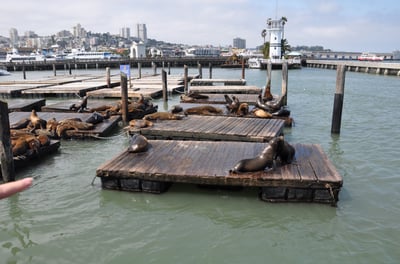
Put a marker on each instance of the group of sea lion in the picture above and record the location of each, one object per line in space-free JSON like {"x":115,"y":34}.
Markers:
{"x":234,"y":106}
{"x":25,"y":143}
{"x":277,"y":149}
{"x":53,"y":128}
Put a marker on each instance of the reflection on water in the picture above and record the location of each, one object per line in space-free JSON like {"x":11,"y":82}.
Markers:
{"x":65,"y":219}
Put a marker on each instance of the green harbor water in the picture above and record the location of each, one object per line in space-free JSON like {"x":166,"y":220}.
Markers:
{"x":62,"y":218}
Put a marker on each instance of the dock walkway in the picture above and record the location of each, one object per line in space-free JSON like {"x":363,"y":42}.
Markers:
{"x":310,"y":178}
{"x":196,"y":127}
{"x":226,"y":89}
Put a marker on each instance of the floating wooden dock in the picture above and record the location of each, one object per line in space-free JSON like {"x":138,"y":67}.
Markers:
{"x":25,"y":105}
{"x":210,"y":82}
{"x":196,"y":127}
{"x":229,"y":89}
{"x":310,"y":178}
{"x":218,"y":98}
{"x":100,"y":130}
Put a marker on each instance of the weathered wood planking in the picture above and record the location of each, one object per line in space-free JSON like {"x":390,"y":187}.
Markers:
{"x":153,"y":91}
{"x":214,"y":128}
{"x":208,"y":163}
{"x":250,"y":99}
{"x":15,"y":90}
{"x":100,"y":130}
{"x":209,"y":82}
{"x":228,"y":89}
{"x":25,"y":104}
{"x":69,"y":89}
{"x":64,"y":106}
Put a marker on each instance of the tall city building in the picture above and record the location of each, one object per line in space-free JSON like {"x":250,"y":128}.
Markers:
{"x":14,"y":36}
{"x":78,"y":31}
{"x":125,"y":32}
{"x":239,"y":43}
{"x":142,"y":32}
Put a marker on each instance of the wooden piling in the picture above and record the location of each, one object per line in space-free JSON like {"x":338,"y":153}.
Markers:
{"x":210,"y":70}
{"x":124,"y":98}
{"x":154,"y":65}
{"x":139,"y":65}
{"x":185,"y":77}
{"x":6,"y":156}
{"x":243,"y":70}
{"x":285,"y":81}
{"x":54,"y":70}
{"x":108,"y":77}
{"x":169,"y":68}
{"x":69,"y":69}
{"x":200,"y":70}
{"x":268,"y":86}
{"x":164,"y":85}
{"x":23,"y":71}
{"x":338,"y":101}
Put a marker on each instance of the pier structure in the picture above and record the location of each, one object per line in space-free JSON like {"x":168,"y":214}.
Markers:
{"x":383,"y":68}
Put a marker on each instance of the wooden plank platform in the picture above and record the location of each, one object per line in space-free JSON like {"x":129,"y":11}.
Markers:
{"x":310,"y":178}
{"x":196,"y":127}
{"x":27,"y":105}
{"x":15,"y":90}
{"x":153,"y":91}
{"x":210,"y":82}
{"x":100,"y":130}
{"x":218,"y":98}
{"x":229,"y":89}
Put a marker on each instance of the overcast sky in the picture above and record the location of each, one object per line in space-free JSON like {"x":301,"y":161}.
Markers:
{"x":340,"y":25}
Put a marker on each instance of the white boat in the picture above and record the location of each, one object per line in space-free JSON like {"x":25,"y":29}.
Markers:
{"x":14,"y":56}
{"x":255,"y":63}
{"x":365,"y":56}
{"x":91,"y":55}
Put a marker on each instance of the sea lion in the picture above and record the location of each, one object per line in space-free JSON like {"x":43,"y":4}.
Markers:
{"x":176,"y":109}
{"x":36,"y":121}
{"x":81,"y":106}
{"x":95,"y":118}
{"x":261,"y":113}
{"x":138,"y":143}
{"x":267,"y":93}
{"x":202,"y":110}
{"x":232,"y":104}
{"x":275,"y":104}
{"x":259,"y":163}
{"x":285,"y":152}
{"x":52,"y":125}
{"x":243,"y":109}
{"x":282,"y":112}
{"x":72,"y":124}
{"x":140,"y":123}
{"x":162,"y":116}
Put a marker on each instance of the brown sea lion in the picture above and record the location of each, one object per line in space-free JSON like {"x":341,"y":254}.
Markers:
{"x":260,"y":104}
{"x":36,"y":121}
{"x":285,"y":152}
{"x":43,"y":139}
{"x":71,"y":124}
{"x":203,"y":110}
{"x":232,"y":104}
{"x":52,"y":125}
{"x":81,"y":106}
{"x":140,"y":123}
{"x":138,"y":143}
{"x":267,"y":93}
{"x":259,"y":163}
{"x":162,"y":116}
{"x":261,"y":113}
{"x":19,"y":146}
{"x":243,"y":109}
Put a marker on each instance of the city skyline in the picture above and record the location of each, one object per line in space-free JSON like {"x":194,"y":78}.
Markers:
{"x":336,"y":25}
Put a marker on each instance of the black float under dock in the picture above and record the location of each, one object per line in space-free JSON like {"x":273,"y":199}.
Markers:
{"x":197,"y":127}
{"x":310,"y":178}
{"x":100,"y":130}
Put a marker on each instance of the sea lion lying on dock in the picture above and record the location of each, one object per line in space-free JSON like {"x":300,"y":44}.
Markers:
{"x":261,"y":113}
{"x":138,"y":143}
{"x":232,"y":104}
{"x":203,"y":110}
{"x":162,"y":116}
{"x":243,"y":109}
{"x":72,"y":124}
{"x":259,"y":163}
{"x":25,"y":143}
{"x":193,"y":96}
{"x":140,"y":123}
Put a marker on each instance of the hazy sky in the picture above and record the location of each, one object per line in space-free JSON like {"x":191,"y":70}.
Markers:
{"x":340,"y":25}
